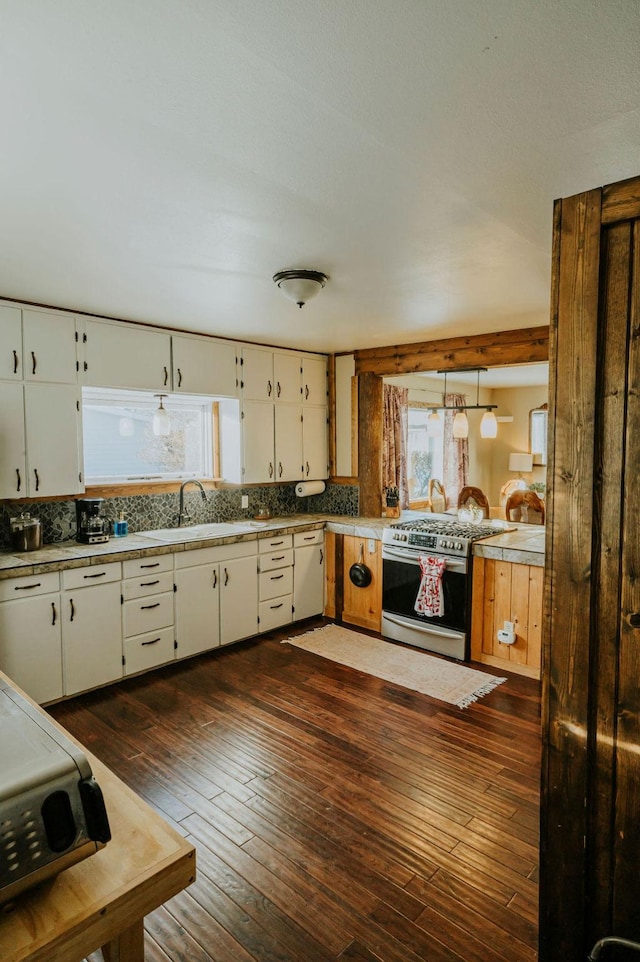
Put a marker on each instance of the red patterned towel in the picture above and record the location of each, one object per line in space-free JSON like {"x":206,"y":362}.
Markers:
{"x":430,"y":600}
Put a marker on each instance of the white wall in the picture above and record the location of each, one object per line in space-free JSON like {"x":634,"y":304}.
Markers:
{"x":516,"y":402}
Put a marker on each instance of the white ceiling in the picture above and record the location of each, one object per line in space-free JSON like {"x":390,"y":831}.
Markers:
{"x":161,"y":160}
{"x":512,"y":375}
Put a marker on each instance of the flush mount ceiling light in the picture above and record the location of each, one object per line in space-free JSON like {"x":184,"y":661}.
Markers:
{"x":161,"y":423}
{"x":300,"y":286}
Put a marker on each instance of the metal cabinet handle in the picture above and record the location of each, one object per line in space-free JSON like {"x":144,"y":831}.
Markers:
{"x":321,"y":555}
{"x":275,"y":544}
{"x":306,"y":392}
{"x":156,"y":564}
{"x":226,"y":577}
{"x":273,"y":607}
{"x":215,"y":579}
{"x":154,"y":641}
{"x":73,"y":610}
{"x":15,"y":362}
{"x":269,"y":388}
{"x":307,"y":469}
{"x":166,"y":376}
{"x":279,"y":557}
{"x":19,"y":485}
{"x":146,"y":607}
{"x":35,"y":471}
{"x":34,"y":362}
{"x":279,"y":469}
{"x":53,"y":613}
{"x":276,"y":577}
{"x":99,"y":574}
{"x":279,"y":389}
{"x":309,"y":537}
{"x":27,"y":587}
{"x":147,"y":584}
{"x":179,"y":378}
{"x":270,"y":469}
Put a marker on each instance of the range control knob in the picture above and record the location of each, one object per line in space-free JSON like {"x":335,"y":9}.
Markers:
{"x":459,"y":545}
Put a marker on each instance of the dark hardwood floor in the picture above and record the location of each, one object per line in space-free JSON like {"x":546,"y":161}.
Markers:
{"x":336,"y":816}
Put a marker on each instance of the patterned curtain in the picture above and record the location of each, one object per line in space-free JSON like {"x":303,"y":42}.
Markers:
{"x":394,"y":440}
{"x":456,"y":454}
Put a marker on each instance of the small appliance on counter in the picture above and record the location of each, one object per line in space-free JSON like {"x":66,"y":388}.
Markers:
{"x":52,"y":812}
{"x":26,"y":533}
{"x":92,"y":528}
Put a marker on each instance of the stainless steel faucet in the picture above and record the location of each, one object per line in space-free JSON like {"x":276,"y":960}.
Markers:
{"x":183,"y":514}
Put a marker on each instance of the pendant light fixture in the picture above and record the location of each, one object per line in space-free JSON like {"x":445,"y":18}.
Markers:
{"x":300,"y":285}
{"x":161,"y":421}
{"x":460,"y":428}
{"x":434,"y":424}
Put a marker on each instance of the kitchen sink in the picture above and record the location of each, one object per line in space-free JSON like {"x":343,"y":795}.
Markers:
{"x":198,"y":532}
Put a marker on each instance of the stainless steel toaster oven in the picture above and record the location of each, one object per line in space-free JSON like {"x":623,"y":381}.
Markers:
{"x":52,"y":813}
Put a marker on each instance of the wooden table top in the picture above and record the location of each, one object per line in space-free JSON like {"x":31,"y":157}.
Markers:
{"x":87,"y":905}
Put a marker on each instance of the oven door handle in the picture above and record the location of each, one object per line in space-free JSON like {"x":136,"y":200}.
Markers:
{"x":411,"y":557}
{"x":427,"y":629}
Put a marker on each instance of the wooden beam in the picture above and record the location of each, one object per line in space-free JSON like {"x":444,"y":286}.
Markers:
{"x":479,"y":350}
{"x":621,"y":201}
{"x":370,"y":444}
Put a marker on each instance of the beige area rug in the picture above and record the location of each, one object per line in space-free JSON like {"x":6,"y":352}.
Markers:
{"x":408,"y":667}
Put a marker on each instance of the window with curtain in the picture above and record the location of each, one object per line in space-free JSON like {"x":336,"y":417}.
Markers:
{"x":456,"y":454}
{"x":424,"y":452}
{"x":394,"y":442}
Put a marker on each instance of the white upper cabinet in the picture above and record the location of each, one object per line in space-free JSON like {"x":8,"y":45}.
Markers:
{"x":10,"y":343}
{"x":13,"y":452}
{"x":287,"y":378}
{"x":203,"y":365}
{"x":258,"y":461}
{"x":288,"y":442}
{"x":256,"y":377}
{"x":52,"y":422}
{"x":50,"y":348}
{"x":119,"y":355}
{"x":314,"y":380}
{"x":315,"y":443}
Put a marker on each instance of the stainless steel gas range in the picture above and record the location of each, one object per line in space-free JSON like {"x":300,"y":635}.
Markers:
{"x":438,"y":549}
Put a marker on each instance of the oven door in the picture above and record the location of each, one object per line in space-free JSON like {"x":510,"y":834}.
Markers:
{"x":401,"y":576}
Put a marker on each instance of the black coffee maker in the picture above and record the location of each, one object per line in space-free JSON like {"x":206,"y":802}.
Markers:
{"x":92,"y":528}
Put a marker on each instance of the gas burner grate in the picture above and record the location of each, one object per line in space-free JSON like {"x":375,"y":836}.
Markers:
{"x":454,"y":528}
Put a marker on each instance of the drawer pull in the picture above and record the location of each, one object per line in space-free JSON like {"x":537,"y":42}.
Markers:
{"x":53,"y":613}
{"x":156,"y":564}
{"x":309,"y":537}
{"x":276,"y":577}
{"x":27,"y":587}
{"x":147,"y":584}
{"x":273,"y":607}
{"x":277,"y":557}
{"x":274,"y":544}
{"x":146,"y":607}
{"x":99,"y":574}
{"x":154,"y":641}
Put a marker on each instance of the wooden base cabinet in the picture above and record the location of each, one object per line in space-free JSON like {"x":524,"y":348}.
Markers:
{"x":503,"y":591}
{"x":362,"y":606}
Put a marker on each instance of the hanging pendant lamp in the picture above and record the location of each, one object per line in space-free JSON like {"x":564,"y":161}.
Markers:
{"x":161,"y":422}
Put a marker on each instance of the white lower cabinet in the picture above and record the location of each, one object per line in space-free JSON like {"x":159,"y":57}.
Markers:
{"x":216,"y":600}
{"x":31,"y":636}
{"x":147,"y":613}
{"x":308,"y":574}
{"x":91,"y":627}
{"x":275,"y":559}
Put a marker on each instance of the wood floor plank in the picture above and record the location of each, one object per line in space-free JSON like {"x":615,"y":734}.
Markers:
{"x":337,"y":817}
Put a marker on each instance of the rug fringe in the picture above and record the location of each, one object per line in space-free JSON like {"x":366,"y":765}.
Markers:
{"x":480,"y":692}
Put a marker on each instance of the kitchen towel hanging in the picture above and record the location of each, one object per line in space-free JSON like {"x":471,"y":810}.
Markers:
{"x":430,"y":600}
{"x":305,"y":488}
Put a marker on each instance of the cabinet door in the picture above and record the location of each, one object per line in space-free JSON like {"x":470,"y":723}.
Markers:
{"x":362,"y":606}
{"x":91,"y":637}
{"x":257,"y":442}
{"x":10,"y":342}
{"x":31,"y":646}
{"x":13,"y":475}
{"x":197,"y":602}
{"x":308,"y":581}
{"x":49,"y":347}
{"x":314,"y":380}
{"x":288,"y":438}
{"x":315,"y":443}
{"x":287,"y":377}
{"x":53,"y":439}
{"x":127,"y":357}
{"x":203,"y":366}
{"x":257,"y":375}
{"x":238,"y":599}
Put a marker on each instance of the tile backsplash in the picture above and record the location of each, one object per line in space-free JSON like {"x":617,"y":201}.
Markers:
{"x":146,"y":511}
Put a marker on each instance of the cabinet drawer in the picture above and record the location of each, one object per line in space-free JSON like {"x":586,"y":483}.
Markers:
{"x":215,"y":554}
{"x":303,"y":538}
{"x":92,"y":575}
{"x":278,"y":559}
{"x":29,"y":585}
{"x":275,"y":582}
{"x":147,"y":614}
{"x":273,"y":545}
{"x":148,"y":650}
{"x":154,"y":583}
{"x":147,"y":565}
{"x":275,"y":613}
